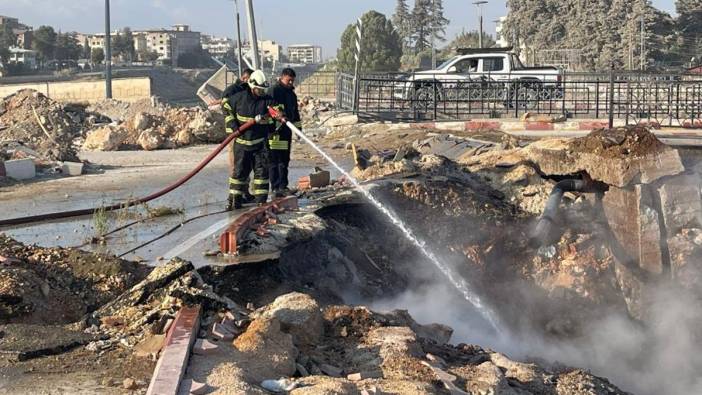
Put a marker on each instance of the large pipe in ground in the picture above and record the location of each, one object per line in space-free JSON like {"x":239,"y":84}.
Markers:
{"x":130,"y":203}
{"x":541,"y":234}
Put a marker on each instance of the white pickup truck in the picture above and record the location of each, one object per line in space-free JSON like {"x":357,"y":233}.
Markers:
{"x":476,"y":73}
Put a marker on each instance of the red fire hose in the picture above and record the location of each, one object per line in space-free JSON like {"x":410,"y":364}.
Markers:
{"x":130,"y":203}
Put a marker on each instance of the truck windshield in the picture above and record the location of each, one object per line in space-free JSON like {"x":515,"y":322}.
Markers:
{"x":447,"y":63}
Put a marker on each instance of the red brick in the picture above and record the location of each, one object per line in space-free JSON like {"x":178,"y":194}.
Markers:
{"x":228,"y":241}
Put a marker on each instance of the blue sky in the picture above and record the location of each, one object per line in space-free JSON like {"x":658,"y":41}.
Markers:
{"x":288,"y":22}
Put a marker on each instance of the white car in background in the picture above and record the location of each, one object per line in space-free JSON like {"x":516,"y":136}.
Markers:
{"x":483,"y":74}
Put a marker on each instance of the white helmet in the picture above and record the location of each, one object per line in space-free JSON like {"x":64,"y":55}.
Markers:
{"x":258,"y":80}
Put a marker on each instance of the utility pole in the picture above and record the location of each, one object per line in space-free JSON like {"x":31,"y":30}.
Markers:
{"x":238,"y":37}
{"x":433,"y":40}
{"x":252,"y":34}
{"x":108,"y":53}
{"x":480,"y":19}
{"x":643,"y":43}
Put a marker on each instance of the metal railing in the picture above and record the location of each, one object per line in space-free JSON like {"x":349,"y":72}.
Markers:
{"x":664,"y":99}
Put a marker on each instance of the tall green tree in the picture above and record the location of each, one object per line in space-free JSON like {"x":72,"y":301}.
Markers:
{"x":689,"y":26}
{"x":421,"y":25}
{"x":44,"y":42}
{"x":7,"y":40}
{"x":67,"y":47}
{"x":438,"y":21}
{"x":97,"y":55}
{"x":402,"y":19}
{"x":123,"y":44}
{"x":467,"y":40}
{"x":381,"y":45}
{"x":603,"y":32}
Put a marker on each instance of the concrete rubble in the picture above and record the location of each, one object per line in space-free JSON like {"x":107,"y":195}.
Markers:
{"x":57,"y":130}
{"x":286,"y":323}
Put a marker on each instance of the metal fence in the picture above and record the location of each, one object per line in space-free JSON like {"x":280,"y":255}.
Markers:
{"x":668,"y":100}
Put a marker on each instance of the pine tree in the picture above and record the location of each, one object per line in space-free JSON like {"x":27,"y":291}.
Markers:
{"x":421,"y":25}
{"x":438,"y":21}
{"x":689,"y":26}
{"x":403,"y":22}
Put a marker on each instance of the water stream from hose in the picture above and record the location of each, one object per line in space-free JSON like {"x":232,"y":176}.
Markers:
{"x":459,"y":283}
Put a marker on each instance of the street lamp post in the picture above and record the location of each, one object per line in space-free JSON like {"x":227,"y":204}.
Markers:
{"x":238,"y":37}
{"x":108,"y":53}
{"x":480,"y":14}
{"x":252,"y":34}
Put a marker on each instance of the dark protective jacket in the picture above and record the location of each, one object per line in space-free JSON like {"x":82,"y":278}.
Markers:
{"x":243,"y":107}
{"x":287,"y":98}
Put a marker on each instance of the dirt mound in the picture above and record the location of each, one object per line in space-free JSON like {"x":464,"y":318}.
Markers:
{"x":58,"y":286}
{"x":39,"y":123}
{"x":619,"y":142}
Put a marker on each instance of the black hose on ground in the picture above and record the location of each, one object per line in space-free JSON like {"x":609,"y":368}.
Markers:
{"x":542,"y":232}
{"x":131,"y":203}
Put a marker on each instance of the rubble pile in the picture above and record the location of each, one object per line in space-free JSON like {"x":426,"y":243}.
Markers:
{"x":295,"y":343}
{"x":57,"y":131}
{"x":58,"y":286}
{"x":314,"y":111}
{"x":145,"y":311}
{"x":611,"y":247}
{"x":41,"y":124}
{"x":150,"y":126}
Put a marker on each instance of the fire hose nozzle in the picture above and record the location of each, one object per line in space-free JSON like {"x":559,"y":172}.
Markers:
{"x":276,"y":114}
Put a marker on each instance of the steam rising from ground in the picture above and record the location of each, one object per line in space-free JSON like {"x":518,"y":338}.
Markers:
{"x":664,"y":356}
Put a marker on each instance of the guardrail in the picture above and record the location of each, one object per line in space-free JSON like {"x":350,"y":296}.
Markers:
{"x":663,"y":99}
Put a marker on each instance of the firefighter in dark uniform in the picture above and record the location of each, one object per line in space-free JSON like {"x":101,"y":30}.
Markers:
{"x":240,"y":85}
{"x":283,"y":92}
{"x":250,"y":151}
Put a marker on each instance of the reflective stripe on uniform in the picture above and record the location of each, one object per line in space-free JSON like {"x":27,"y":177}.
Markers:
{"x":235,"y":192}
{"x":230,"y":130}
{"x":279,"y":144}
{"x":229,"y":118}
{"x":242,"y":118}
{"x":249,"y":142}
{"x":237,"y":182}
{"x":228,"y":107}
{"x":259,"y":192}
{"x":260,"y":182}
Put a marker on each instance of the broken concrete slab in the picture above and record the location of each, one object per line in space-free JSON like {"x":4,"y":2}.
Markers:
{"x":635,"y":222}
{"x":21,"y":342}
{"x":20,"y":169}
{"x":72,"y":169}
{"x":635,"y":156}
{"x":686,"y":259}
{"x":681,"y":202}
{"x":205,"y":347}
{"x":221,"y":332}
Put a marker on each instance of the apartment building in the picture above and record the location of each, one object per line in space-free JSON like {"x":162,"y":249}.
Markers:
{"x":305,"y":53}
